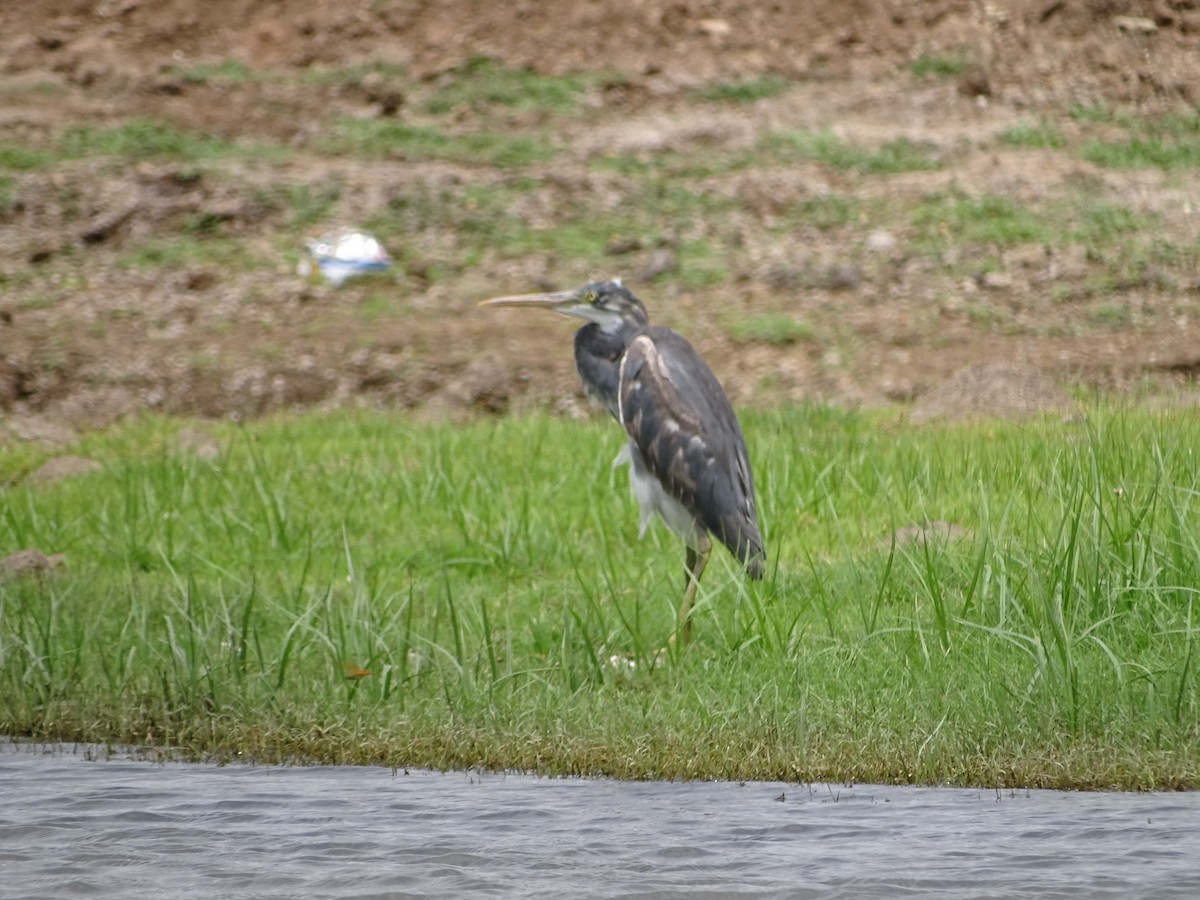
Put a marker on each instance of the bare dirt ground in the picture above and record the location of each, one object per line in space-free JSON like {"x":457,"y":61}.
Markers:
{"x":85,"y":340}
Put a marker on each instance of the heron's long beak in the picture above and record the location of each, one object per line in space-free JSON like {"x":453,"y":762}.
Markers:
{"x":558,"y":301}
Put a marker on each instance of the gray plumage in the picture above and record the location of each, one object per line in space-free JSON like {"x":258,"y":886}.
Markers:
{"x":687,"y":456}
{"x":680,"y":421}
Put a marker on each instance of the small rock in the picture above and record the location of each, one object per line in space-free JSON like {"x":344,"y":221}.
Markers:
{"x":785,"y":277}
{"x":975,"y":84}
{"x":168,"y":85}
{"x":200,"y":443}
{"x":621,"y":246}
{"x":661,"y":260}
{"x":106,"y":224}
{"x":996,"y":281}
{"x":30,"y":560}
{"x":1135,"y":24}
{"x":1027,"y":256}
{"x":900,"y":390}
{"x":35,"y":429}
{"x":96,"y":407}
{"x":880,"y":241}
{"x":714,"y":27}
{"x":62,"y":467}
{"x":379,"y":90}
{"x":485,"y":385}
{"x":842,"y":278}
{"x":199,"y":280}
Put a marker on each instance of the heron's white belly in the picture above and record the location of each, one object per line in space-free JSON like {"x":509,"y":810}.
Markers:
{"x":652,"y":499}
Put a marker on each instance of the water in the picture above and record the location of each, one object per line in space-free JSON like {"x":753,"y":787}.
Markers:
{"x":73,"y":826}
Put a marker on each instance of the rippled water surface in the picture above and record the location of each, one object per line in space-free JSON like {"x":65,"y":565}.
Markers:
{"x":74,"y":826}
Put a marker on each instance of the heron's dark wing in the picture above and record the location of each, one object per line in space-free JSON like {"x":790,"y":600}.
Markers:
{"x":678,"y":416}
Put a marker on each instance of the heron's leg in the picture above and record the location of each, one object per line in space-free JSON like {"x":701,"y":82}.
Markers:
{"x":697,"y":559}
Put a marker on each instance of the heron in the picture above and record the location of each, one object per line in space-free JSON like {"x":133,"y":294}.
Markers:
{"x":686,"y":453}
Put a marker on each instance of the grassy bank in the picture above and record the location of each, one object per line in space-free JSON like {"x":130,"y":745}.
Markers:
{"x":489,"y":580}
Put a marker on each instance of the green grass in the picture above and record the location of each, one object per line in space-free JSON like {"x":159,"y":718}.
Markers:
{"x":768,"y":328}
{"x":191,"y":249}
{"x":1039,"y":135}
{"x":664,"y":196}
{"x":17,"y":158}
{"x":142,"y":139}
{"x":308,"y":205}
{"x":935,"y":66}
{"x":746,"y":91}
{"x":352,"y":76}
{"x":1180,"y":125}
{"x":1092,"y":112}
{"x":1143,"y":153}
{"x":1100,"y":223}
{"x":134,"y":141}
{"x":779,"y":148}
{"x":701,"y":264}
{"x":379,"y":307}
{"x":890,"y":158}
{"x":990,"y":219}
{"x":1169,"y":142}
{"x":8,"y":194}
{"x":228,"y":72}
{"x":947,"y":217}
{"x":1114,"y":316}
{"x":476,"y":221}
{"x":481,"y":85}
{"x":490,"y":578}
{"x":828,"y":211}
{"x":390,"y":139}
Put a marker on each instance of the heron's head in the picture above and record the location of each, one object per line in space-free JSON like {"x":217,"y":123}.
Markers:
{"x":609,"y":304}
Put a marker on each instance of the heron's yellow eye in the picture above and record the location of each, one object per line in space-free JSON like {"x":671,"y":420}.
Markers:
{"x":591,"y":297}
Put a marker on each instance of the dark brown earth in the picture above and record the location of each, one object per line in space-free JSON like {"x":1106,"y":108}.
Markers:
{"x":85,"y":341}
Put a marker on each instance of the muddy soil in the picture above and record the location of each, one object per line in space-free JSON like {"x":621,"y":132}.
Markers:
{"x":86,"y":339}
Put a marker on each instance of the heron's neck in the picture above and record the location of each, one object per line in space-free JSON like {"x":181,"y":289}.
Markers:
{"x":622,"y":329}
{"x":598,"y":353}
{"x":613,"y":326}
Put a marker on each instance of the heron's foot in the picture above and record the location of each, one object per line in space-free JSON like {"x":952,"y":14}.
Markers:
{"x":697,"y":559}
{"x":675,"y":644}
